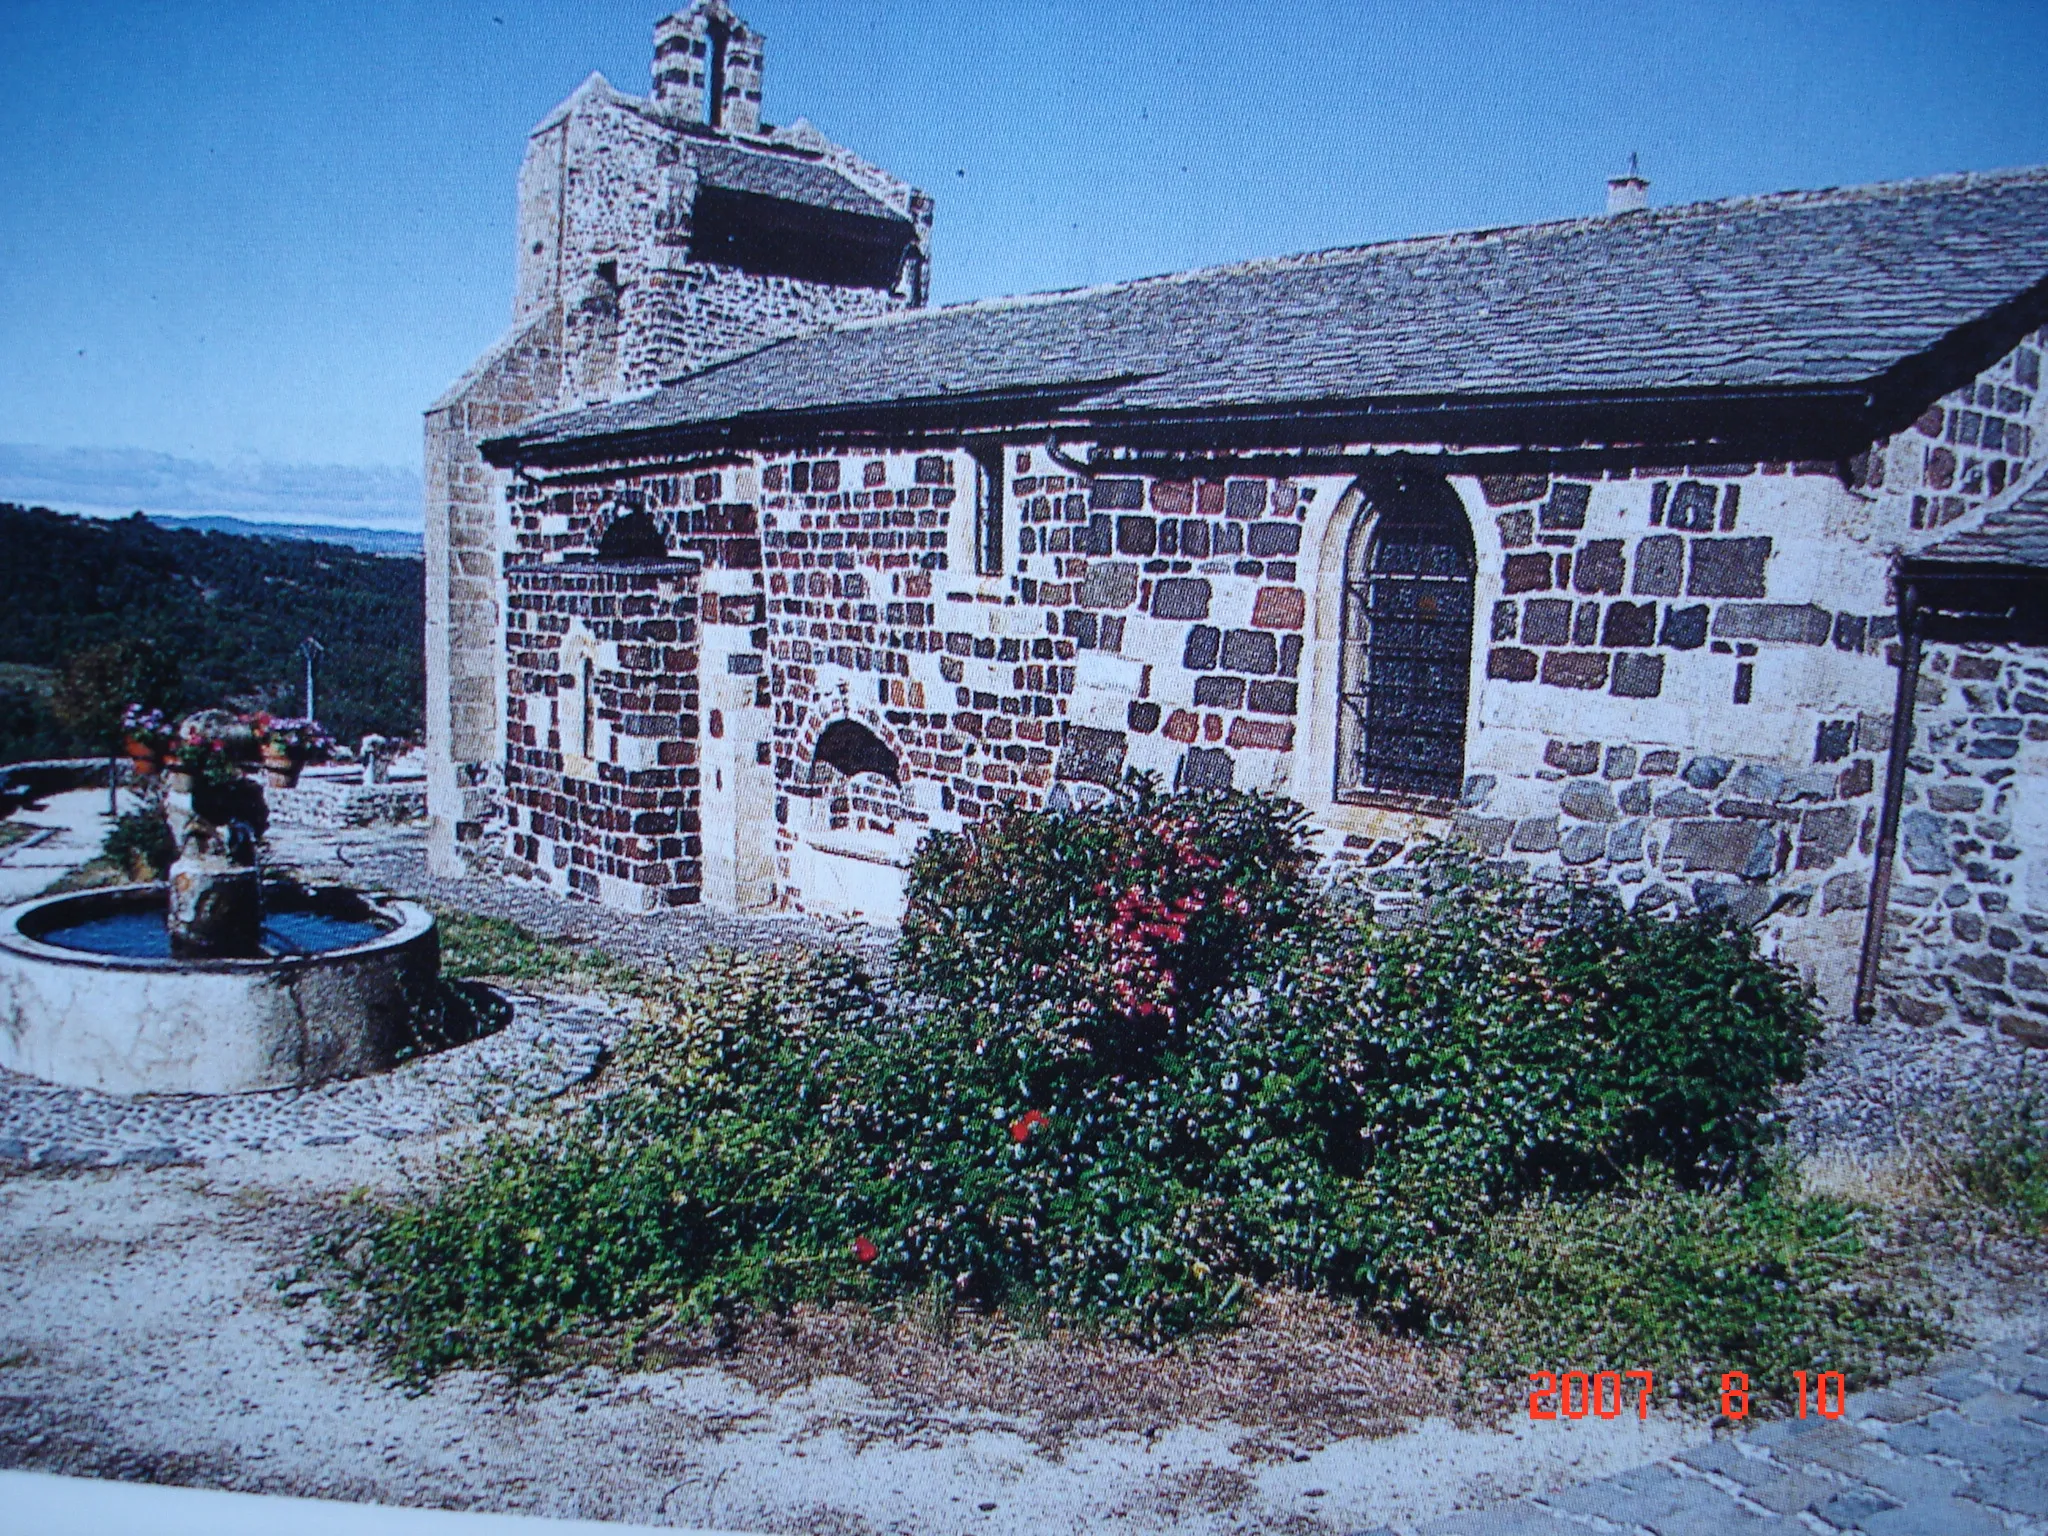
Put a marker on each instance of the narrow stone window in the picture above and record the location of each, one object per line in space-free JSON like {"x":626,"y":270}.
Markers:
{"x":1406,"y":644}
{"x":588,"y":731}
{"x":988,"y":512}
{"x":714,"y":90}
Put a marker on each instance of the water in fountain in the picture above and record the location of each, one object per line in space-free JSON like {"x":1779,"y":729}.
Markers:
{"x":145,"y":935}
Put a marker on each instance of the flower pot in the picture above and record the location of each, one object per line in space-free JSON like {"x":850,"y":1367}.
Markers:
{"x":280,"y":769}
{"x":143,"y":758}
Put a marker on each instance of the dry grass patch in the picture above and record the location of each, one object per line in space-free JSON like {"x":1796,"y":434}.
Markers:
{"x":1299,"y":1373}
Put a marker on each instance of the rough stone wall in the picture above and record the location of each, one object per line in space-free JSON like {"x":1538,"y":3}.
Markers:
{"x":612,"y":817}
{"x":1966,"y":943}
{"x":689,"y":315}
{"x":464,"y":655}
{"x":1188,"y":628}
{"x":606,"y":194}
{"x":1973,"y":444}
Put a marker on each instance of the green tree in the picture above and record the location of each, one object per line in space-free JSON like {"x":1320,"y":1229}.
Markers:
{"x":98,"y":686}
{"x":100,"y":683}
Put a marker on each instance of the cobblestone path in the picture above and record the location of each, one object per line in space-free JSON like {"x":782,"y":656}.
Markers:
{"x":550,"y":1045}
{"x":1962,"y":1451}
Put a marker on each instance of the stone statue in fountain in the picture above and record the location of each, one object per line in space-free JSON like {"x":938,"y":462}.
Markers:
{"x":216,"y":814}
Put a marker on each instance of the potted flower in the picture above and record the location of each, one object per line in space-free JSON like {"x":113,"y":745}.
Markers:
{"x":288,"y":744}
{"x":146,"y":733}
{"x":203,"y":761}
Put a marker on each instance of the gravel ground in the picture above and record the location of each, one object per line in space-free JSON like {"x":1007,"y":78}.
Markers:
{"x":1886,"y":1082}
{"x":393,"y":860}
{"x":142,"y":1335}
{"x":551,"y":1045}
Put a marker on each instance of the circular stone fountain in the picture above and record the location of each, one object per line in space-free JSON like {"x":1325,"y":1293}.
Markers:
{"x":216,"y":981}
{"x":91,"y":996}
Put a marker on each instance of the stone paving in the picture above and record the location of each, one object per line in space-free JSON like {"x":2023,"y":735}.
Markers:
{"x":65,"y":830}
{"x":549,"y":1046}
{"x":1960,"y":1451}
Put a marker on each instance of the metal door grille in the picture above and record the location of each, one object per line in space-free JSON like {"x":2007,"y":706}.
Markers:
{"x":1407,"y":653}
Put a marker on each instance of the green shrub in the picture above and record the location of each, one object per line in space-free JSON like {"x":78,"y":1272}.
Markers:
{"x":1145,"y":1068}
{"x":140,"y":844}
{"x":1687,"y":1284}
{"x":698,"y":1182}
{"x":2002,"y":1159}
{"x":491,"y":948}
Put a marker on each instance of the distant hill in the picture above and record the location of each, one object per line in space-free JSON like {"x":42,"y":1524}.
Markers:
{"x":371,"y":541}
{"x":111,"y":482}
{"x":231,"y":608}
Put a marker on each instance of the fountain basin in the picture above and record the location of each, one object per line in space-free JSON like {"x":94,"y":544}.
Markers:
{"x":124,"y":1022}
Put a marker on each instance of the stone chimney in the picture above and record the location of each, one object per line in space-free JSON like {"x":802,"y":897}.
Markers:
{"x":707,"y":67}
{"x":1630,"y":193}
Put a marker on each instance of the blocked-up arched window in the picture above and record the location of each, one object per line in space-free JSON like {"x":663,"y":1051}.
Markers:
{"x":636,"y":536}
{"x":1407,"y":643}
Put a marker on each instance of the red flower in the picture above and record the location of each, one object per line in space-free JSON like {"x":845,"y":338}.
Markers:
{"x":1021,"y":1127}
{"x":864,"y":1252}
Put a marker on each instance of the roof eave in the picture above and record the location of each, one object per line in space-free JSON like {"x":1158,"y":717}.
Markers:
{"x":1784,"y":422}
{"x":1903,"y":391}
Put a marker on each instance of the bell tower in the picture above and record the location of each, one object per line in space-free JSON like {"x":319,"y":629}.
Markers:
{"x":707,"y":68}
{"x":658,"y":236}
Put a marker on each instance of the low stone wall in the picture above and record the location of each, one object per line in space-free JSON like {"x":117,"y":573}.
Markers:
{"x":1966,"y":942}
{"x":333,"y":802}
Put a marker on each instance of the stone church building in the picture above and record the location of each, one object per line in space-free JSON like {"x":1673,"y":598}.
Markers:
{"x":1698,"y":550}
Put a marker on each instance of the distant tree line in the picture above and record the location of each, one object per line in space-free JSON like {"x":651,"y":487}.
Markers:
{"x":223,"y":613}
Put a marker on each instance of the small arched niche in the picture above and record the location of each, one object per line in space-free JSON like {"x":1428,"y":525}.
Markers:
{"x":636,"y":536}
{"x":851,"y":748}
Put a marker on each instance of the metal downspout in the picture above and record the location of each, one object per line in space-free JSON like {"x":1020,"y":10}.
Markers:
{"x":1894,"y":795}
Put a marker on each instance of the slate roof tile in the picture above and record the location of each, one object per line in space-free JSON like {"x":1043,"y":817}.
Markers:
{"x":1794,"y":290}
{"x":798,"y":180}
{"x":2015,"y":534}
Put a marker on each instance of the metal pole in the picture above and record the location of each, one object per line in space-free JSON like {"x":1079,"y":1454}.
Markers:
{"x":310,"y":648}
{"x":1894,"y":794}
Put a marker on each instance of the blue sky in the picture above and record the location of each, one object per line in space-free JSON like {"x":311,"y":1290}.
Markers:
{"x":274,"y":231}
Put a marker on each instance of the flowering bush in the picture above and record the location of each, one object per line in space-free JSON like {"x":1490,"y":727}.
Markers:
{"x":1111,"y":927}
{"x":1143,"y":1069}
{"x":300,"y":739}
